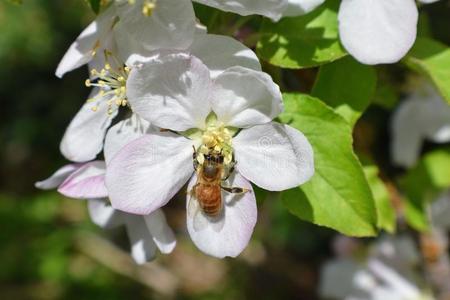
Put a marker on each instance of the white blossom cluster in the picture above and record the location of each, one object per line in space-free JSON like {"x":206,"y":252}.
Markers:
{"x":167,"y":99}
{"x":388,"y":269}
{"x":172,"y":106}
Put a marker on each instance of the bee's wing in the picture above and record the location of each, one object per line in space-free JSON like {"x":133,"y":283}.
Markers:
{"x":199,"y":220}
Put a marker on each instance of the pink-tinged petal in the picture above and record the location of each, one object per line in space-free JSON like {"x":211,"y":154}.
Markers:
{"x":87,"y":182}
{"x":57,"y":178}
{"x":123,"y":133}
{"x":243,"y":97}
{"x":102,"y":214}
{"x":171,"y":92}
{"x":148,"y":172}
{"x":91,"y":39}
{"x":275,"y":157}
{"x":162,"y":234}
{"x":143,"y":249}
{"x":378,"y":31}
{"x":170,"y":26}
{"x":230,"y":232}
{"x":220,"y":52}
{"x":270,"y":8}
{"x":83,"y":139}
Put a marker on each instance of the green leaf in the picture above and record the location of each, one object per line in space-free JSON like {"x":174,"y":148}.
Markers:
{"x":338,"y":196}
{"x":386,"y":96}
{"x":432,"y":59}
{"x":95,"y":5}
{"x":302,"y":42}
{"x":385,"y":211}
{"x":347,"y":86}
{"x":423,"y":183}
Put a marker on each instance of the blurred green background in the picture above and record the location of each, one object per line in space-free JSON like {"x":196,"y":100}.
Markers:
{"x":48,"y":247}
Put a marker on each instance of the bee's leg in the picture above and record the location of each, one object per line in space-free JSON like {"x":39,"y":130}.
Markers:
{"x":194,"y":158}
{"x":192,"y":190}
{"x":230,"y":170}
{"x":235,"y":190}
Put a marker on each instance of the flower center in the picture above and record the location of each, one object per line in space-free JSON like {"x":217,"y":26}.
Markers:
{"x":216,"y":140}
{"x":112,"y":84}
{"x":148,"y":6}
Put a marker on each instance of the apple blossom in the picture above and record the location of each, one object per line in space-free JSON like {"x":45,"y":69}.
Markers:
{"x":372,"y":31}
{"x":376,"y":276}
{"x":86,"y":181}
{"x":84,"y":137}
{"x":378,"y":31}
{"x":146,"y":233}
{"x":422,"y":116}
{"x":169,"y":25}
{"x":228,"y":112}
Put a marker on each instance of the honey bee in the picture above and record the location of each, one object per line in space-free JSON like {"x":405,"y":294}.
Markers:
{"x":207,"y":191}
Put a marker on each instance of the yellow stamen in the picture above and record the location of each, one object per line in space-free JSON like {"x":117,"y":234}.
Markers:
{"x":216,"y":139}
{"x":148,"y":6}
{"x":111,"y":81}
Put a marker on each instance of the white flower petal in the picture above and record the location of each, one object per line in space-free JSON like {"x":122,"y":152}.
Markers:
{"x":300,"y":7}
{"x":162,"y":234}
{"x":102,"y":214}
{"x":269,"y":8}
{"x":243,"y":97}
{"x":406,"y":137}
{"x":428,"y":1}
{"x":57,"y":178}
{"x":336,"y":278}
{"x":274,"y":156}
{"x":92,"y":38}
{"x":99,"y":61}
{"x":392,"y":279}
{"x":171,"y":92}
{"x":424,"y":115}
{"x":84,"y":136}
{"x":406,"y":133}
{"x":200,"y":28}
{"x":148,"y":172}
{"x":230,"y":234}
{"x":220,"y":52}
{"x":171,"y":25}
{"x":123,"y":133}
{"x":440,"y":211}
{"x":378,"y":31}
{"x":86,"y":182}
{"x":129,"y":50}
{"x":399,"y":252}
{"x":143,"y":248}
{"x":436,"y":118}
{"x":217,"y":52}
